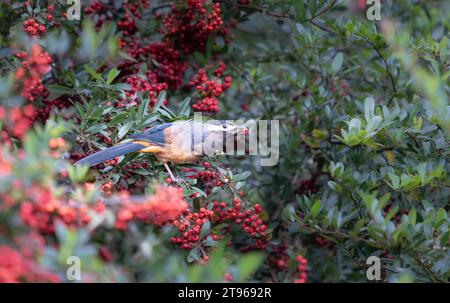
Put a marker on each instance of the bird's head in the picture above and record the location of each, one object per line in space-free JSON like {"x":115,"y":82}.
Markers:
{"x":222,"y":126}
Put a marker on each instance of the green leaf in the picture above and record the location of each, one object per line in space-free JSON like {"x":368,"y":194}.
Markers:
{"x":337,"y":62}
{"x":122,"y":86}
{"x":112,"y":74}
{"x":443,"y":49}
{"x":242,"y":176}
{"x":315,"y":209}
{"x":358,"y":227}
{"x":289,"y":214}
{"x":395,"y":181}
{"x":412,"y":216}
{"x":206,"y":229}
{"x":95,"y":129}
{"x":339,"y":220}
{"x":194,"y":255}
{"x":440,"y":217}
{"x":57,"y":91}
{"x":118,"y":119}
{"x":300,"y":11}
{"x":369,"y":108}
{"x":143,"y":107}
{"x":123,"y":130}
{"x":199,"y":191}
{"x":159,"y":101}
{"x":334,"y":186}
{"x":391,"y":213}
{"x":92,"y":72}
{"x":185,"y":109}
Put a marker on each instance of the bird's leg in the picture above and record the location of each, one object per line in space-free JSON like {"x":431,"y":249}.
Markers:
{"x":174,"y":179}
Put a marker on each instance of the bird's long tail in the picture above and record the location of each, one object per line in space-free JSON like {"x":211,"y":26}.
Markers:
{"x":110,"y":153}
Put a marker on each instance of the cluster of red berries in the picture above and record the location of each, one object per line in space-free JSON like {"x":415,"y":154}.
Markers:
{"x":166,"y":205}
{"x":208,"y":87}
{"x":99,"y":12}
{"x":278,"y":257}
{"x":191,"y":223}
{"x":136,"y":49}
{"x":136,"y":165}
{"x":95,"y":7}
{"x":15,"y":268}
{"x":33,"y":68}
{"x":171,"y":68}
{"x":185,"y":30}
{"x":134,"y":6}
{"x":206,"y":104}
{"x":207,"y":177}
{"x":125,"y":16}
{"x":189,"y":27}
{"x":33,"y":27}
{"x":190,"y":226}
{"x":167,"y":74}
{"x":43,"y":111}
{"x":41,"y":210}
{"x":209,"y":90}
{"x":17,"y":120}
{"x":220,"y":69}
{"x":127,"y":24}
{"x":148,"y":84}
{"x":301,"y":269}
{"x":107,"y":188}
{"x":248,"y":219}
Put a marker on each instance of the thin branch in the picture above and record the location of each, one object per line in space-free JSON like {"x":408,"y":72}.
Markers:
{"x":388,"y":70}
{"x":326,"y":9}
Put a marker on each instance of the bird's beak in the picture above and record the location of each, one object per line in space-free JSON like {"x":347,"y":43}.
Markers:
{"x":240,"y":129}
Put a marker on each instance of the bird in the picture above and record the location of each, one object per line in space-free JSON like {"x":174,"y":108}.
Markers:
{"x":178,"y":142}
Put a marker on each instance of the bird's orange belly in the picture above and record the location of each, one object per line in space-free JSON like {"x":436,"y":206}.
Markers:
{"x":168,"y":154}
{"x":177,"y":157}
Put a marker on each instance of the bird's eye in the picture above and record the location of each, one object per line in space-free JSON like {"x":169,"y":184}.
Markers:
{"x":224,"y":126}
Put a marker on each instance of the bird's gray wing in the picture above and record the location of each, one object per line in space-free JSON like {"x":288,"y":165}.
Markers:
{"x":154,"y":135}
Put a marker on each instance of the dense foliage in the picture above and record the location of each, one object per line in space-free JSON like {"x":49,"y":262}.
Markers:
{"x":363,"y":156}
